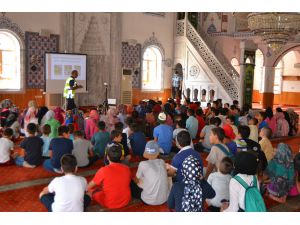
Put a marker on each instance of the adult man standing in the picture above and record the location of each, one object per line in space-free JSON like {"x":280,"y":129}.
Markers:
{"x":69,"y":90}
{"x":176,"y":85}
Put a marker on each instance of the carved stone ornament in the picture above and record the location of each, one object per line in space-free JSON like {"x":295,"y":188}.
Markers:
{"x":154,"y":41}
{"x":6,"y":23}
{"x":194,"y":71}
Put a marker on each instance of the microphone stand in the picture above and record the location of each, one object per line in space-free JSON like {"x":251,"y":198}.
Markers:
{"x":105,"y":103}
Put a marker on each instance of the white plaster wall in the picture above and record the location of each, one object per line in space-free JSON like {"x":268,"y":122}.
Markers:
{"x":291,"y":86}
{"x":140,"y":26}
{"x":35,"y":21}
{"x":289,"y":60}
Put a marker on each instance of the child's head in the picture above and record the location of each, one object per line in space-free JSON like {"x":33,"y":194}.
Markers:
{"x":114,"y":153}
{"x":226,"y":165}
{"x":180,"y":124}
{"x":261,"y":116}
{"x":46,"y":129}
{"x":101,"y":125}
{"x":243,"y":131}
{"x":253,"y":121}
{"x":68,"y":163}
{"x":151,"y":150}
{"x":116,"y":136}
{"x":134,"y":127}
{"x":217,"y":121}
{"x":119,"y":126}
{"x":199,"y":112}
{"x":236,"y":103}
{"x":215,"y":111}
{"x":226,"y":105}
{"x":183,"y":139}
{"x":63,"y":131}
{"x":208,"y":105}
{"x":78,"y":134}
{"x":265,"y":132}
{"x":230,"y":120}
{"x":31,"y":128}
{"x":191,"y":112}
{"x":128,"y":120}
{"x":71,"y":128}
{"x":8,"y":132}
{"x":217,"y":135}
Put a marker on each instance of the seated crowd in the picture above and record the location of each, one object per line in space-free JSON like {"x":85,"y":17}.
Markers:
{"x":236,"y":144}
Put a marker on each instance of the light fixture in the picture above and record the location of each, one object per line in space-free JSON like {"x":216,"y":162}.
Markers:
{"x":275,"y":28}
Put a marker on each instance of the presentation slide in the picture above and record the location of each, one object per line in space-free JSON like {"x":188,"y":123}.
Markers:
{"x":58,"y":68}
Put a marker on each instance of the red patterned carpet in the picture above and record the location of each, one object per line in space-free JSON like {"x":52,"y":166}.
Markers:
{"x":26,"y":199}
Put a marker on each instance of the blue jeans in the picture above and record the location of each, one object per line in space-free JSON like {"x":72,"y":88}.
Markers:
{"x":48,"y":199}
{"x":19,"y":161}
{"x":48,"y":165}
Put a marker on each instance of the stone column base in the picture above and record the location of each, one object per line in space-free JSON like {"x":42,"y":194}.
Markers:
{"x":267,"y":100}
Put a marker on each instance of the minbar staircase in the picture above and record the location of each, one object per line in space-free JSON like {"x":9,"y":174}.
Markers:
{"x":228,"y":77}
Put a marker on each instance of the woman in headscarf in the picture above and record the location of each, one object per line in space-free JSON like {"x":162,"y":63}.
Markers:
{"x":281,"y":173}
{"x":30,"y":116}
{"x":91,"y":125}
{"x":59,"y":115}
{"x":282,"y":126}
{"x":190,"y":194}
{"x":270,"y":119}
{"x":53,"y":123}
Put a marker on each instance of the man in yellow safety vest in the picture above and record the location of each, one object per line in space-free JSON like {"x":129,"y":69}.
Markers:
{"x":69,"y":90}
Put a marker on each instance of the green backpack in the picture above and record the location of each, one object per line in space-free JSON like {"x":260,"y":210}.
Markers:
{"x":253,"y":199}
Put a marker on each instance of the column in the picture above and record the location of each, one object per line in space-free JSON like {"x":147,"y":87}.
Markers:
{"x":268,"y":86}
{"x":115,"y":48}
{"x":242,"y":73}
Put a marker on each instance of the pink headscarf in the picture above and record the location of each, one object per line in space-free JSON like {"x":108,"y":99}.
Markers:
{"x":91,"y":124}
{"x":59,"y":115}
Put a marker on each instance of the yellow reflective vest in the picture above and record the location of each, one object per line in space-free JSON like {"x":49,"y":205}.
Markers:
{"x":68,"y":92}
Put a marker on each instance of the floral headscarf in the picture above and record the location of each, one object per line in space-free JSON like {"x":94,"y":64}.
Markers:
{"x":283,"y":155}
{"x":192,"y":196}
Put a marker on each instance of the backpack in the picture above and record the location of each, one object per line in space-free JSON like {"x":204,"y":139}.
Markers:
{"x":253,"y":199}
{"x":226,"y":152}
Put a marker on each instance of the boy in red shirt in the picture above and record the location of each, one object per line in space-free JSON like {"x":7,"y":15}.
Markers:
{"x":110,"y":186}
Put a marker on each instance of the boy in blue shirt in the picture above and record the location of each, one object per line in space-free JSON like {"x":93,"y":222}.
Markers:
{"x":163,"y":134}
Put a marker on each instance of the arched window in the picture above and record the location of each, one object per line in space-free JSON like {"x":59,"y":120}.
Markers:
{"x":152,"y":69}
{"x":10,"y":66}
{"x":278,"y":77}
{"x":258,"y":70}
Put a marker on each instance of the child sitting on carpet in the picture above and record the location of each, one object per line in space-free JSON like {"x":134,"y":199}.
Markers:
{"x":110,"y":186}
{"x":265,"y":143}
{"x":190,"y":194}
{"x":100,"y":140}
{"x":151,"y":177}
{"x":253,"y":129}
{"x":46,"y":139}
{"x":33,"y":149}
{"x":58,"y":147}
{"x":116,"y":138}
{"x":66,"y":193}
{"x":137,"y":140}
{"x":71,"y":131}
{"x":83,"y":150}
{"x":6,"y":148}
{"x":119,"y":126}
{"x":218,"y":151}
{"x":220,"y":183}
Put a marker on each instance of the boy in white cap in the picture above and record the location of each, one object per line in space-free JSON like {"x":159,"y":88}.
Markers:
{"x":151,"y":177}
{"x":163,"y":134}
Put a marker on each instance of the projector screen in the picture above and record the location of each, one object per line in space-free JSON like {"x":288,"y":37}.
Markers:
{"x":58,"y":68}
